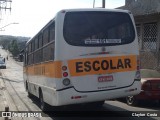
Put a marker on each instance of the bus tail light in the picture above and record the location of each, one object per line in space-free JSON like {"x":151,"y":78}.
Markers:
{"x":138,"y":74}
{"x":65,"y":74}
{"x":66,"y":82}
{"x":64,"y":68}
{"x":78,"y":97}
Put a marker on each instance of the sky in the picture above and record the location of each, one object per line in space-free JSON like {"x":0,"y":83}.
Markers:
{"x":32,"y":15}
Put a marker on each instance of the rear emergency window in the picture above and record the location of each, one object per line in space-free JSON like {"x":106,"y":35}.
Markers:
{"x":98,"y":28}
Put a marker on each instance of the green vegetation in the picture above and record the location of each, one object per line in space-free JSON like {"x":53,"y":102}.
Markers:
{"x":13,"y":43}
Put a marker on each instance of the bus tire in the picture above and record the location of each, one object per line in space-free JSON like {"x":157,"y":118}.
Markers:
{"x":131,"y":100}
{"x":43,"y":105}
{"x":29,"y":94}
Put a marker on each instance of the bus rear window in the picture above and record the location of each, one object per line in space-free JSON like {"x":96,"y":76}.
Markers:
{"x":92,"y":28}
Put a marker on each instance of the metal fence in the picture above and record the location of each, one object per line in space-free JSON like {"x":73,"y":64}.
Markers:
{"x":148,"y":45}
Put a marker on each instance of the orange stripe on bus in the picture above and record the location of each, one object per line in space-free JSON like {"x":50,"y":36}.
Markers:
{"x":102,"y":65}
{"x":48,"y":69}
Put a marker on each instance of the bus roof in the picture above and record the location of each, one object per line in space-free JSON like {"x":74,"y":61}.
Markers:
{"x":94,"y":9}
{"x":80,"y":9}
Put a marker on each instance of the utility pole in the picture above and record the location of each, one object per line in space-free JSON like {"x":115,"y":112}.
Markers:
{"x":5,"y":5}
{"x":103,"y":3}
{"x":93,"y":3}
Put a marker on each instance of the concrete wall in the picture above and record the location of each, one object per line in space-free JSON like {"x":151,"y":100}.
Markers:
{"x":141,"y":7}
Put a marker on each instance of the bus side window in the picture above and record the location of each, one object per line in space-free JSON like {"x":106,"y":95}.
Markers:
{"x":40,"y":40}
{"x":45,"y":53}
{"x":52,"y":32}
{"x":52,"y":39}
{"x":40,"y":54}
{"x":45,"y":36}
{"x":29,"y":48}
{"x":48,"y":52}
{"x":51,"y":48}
{"x":36,"y":43}
{"x":27,"y":59}
{"x":32,"y":45}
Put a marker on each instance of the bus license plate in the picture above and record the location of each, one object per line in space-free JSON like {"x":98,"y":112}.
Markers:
{"x":105,"y":78}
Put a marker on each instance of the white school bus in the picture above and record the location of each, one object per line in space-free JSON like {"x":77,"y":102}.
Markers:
{"x":83,"y":56}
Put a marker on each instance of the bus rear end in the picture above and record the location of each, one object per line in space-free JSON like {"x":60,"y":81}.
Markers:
{"x":98,"y":51}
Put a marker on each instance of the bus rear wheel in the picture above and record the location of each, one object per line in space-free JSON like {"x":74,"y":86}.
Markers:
{"x":27,"y":89}
{"x":131,"y":100}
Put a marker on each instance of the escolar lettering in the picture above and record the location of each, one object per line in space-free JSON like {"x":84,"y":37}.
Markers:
{"x":97,"y":65}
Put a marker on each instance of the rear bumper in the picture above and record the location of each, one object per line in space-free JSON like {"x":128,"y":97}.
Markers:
{"x":70,"y":96}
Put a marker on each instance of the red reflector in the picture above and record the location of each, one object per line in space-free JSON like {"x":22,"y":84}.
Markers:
{"x":76,"y":97}
{"x":65,"y":74}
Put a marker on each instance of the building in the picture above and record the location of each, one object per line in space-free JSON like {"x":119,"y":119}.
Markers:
{"x":147,"y":18}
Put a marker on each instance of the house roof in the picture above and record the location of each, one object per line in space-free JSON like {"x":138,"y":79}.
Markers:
{"x":142,"y":7}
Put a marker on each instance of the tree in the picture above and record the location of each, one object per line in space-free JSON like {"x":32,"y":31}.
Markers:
{"x":13,"y":48}
{"x":4,"y":41}
{"x":13,"y":43}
